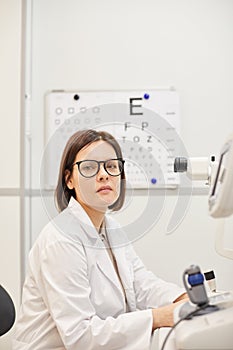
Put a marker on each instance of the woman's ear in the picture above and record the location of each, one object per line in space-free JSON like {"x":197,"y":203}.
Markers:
{"x":68,"y":179}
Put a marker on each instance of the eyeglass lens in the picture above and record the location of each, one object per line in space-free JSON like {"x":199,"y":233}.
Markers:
{"x":89,"y":168}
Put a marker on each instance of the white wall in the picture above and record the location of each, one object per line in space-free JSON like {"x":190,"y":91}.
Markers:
{"x":10,"y":41}
{"x":134,"y":44}
{"x":187,"y":44}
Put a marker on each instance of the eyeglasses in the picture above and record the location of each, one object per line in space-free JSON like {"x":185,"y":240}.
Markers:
{"x":89,"y":168}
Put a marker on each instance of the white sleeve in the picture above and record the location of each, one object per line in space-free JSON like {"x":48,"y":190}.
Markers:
{"x":151,"y":291}
{"x":66,"y":292}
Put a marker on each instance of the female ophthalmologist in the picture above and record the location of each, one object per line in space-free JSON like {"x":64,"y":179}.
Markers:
{"x":85,"y":289}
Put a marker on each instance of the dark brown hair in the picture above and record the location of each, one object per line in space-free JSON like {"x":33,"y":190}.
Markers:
{"x":76,"y":142}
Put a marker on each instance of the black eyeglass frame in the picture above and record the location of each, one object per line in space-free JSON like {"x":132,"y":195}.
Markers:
{"x":98,"y":169}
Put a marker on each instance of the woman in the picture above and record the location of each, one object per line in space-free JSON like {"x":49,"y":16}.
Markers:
{"x":85,"y":289}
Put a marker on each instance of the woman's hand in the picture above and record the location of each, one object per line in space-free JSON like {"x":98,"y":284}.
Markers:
{"x":163,"y":316}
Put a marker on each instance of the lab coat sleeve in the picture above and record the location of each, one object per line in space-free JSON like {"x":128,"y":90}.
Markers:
{"x":66,"y":292}
{"x":151,"y":291}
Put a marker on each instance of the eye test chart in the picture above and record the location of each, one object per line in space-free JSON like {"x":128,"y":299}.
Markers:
{"x":146,"y":123}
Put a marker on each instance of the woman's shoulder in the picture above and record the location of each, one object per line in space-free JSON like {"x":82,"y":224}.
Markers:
{"x":61,"y":228}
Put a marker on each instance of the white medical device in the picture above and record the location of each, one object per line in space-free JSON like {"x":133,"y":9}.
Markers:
{"x":221,"y":191}
{"x":196,"y":168}
{"x":207,"y":331}
{"x":206,"y":321}
{"x":212,"y":327}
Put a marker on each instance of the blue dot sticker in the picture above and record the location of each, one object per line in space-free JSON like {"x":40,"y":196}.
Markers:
{"x":146,"y":96}
{"x":153,"y":180}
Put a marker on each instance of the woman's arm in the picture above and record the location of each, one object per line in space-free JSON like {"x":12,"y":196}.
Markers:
{"x":150,"y":290}
{"x":163,"y":316}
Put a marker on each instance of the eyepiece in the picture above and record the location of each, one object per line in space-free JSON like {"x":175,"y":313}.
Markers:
{"x":180,"y":165}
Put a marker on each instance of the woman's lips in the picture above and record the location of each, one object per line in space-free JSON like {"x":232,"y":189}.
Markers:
{"x":104,"y":189}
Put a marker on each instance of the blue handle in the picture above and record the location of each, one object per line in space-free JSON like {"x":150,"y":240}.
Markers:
{"x":196,"y":279}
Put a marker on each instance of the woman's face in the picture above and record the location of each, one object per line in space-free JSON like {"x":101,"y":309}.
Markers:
{"x":102,"y":190}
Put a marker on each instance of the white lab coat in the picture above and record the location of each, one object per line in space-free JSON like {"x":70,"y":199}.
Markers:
{"x":72,"y":297}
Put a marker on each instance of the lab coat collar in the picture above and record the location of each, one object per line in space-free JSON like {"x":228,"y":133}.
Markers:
{"x":92,"y":235}
{"x":72,"y":221}
{"x":117,"y":239}
{"x":74,"y":217}
{"x":75,"y":207}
